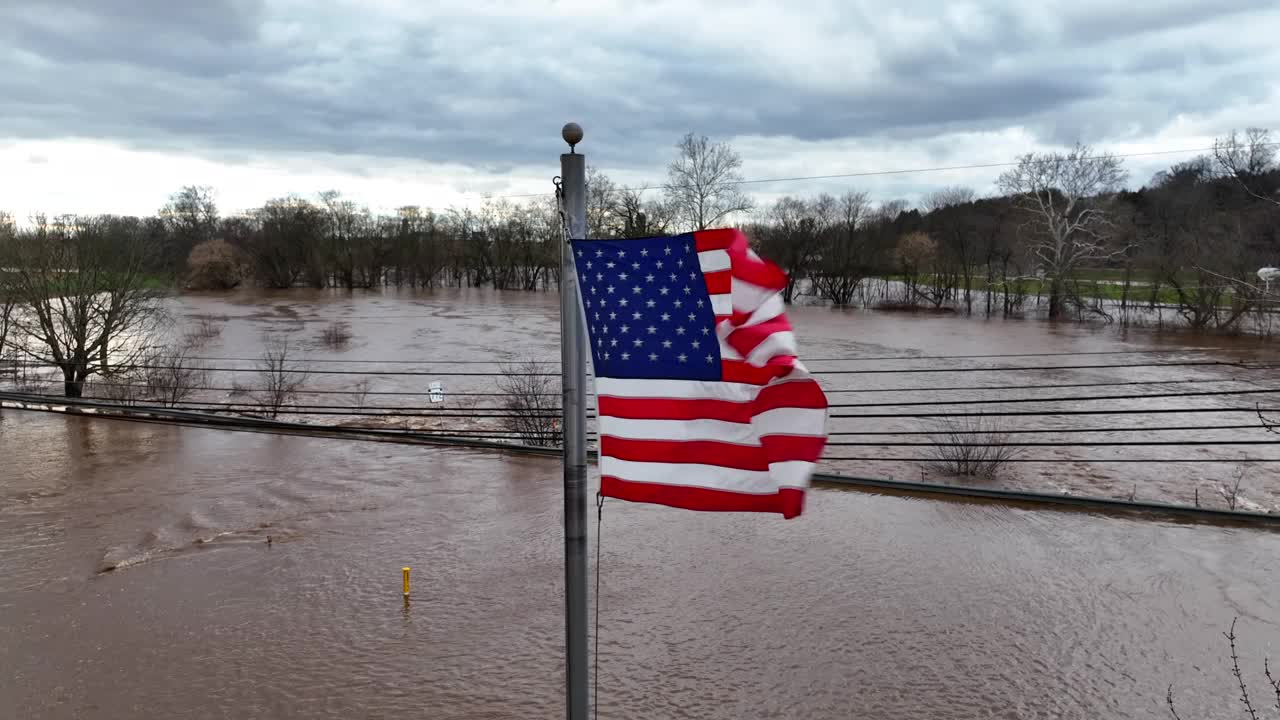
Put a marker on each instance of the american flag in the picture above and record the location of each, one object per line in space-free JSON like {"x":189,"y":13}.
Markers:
{"x":702,"y":402}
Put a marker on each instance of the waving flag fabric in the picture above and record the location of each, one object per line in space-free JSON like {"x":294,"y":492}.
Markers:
{"x":702,"y":401}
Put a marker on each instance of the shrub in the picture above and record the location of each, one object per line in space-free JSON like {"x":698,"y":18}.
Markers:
{"x":214,"y":265}
{"x":970,"y":446}
{"x":534,"y":401}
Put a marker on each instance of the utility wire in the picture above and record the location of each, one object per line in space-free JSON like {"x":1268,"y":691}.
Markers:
{"x":908,"y":403}
{"x":873,"y":371}
{"x":1056,"y":431}
{"x":1034,"y":386}
{"x":1087,"y":398}
{"x":1093,"y":444}
{"x":882,"y":371}
{"x":1062,"y":460}
{"x":876,"y":173}
{"x":405,"y":393}
{"x":354,"y":433}
{"x":1051,"y":413}
{"x":498,"y":412}
{"x":454,"y":393}
{"x":425,"y":361}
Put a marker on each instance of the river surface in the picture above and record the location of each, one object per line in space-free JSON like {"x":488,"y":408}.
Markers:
{"x":867,"y":606}
{"x":881,"y":371}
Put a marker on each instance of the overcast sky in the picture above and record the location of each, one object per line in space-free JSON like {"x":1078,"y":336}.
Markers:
{"x":110,"y":105}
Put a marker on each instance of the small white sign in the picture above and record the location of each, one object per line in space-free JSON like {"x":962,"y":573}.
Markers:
{"x":436,"y":392}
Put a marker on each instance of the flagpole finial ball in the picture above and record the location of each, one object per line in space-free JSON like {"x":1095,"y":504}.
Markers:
{"x":572,"y":133}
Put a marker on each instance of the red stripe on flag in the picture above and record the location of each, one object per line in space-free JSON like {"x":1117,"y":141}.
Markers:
{"x":798,"y":394}
{"x":772,"y":449}
{"x":757,"y":272}
{"x":717,"y":239}
{"x":745,"y":339}
{"x":785,"y":448}
{"x":719,"y":282}
{"x":699,"y":452}
{"x":740,"y":372}
{"x":674,"y":409}
{"x":787,"y":501}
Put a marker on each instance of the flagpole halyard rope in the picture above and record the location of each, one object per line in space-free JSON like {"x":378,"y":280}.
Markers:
{"x":595,"y":654}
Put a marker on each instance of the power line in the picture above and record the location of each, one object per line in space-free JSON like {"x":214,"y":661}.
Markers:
{"x":1060,"y":460}
{"x":1051,"y":413}
{"x":877,"y":173}
{"x":1086,"y":398}
{"x":820,"y":373}
{"x":906,"y":403}
{"x":455,"y":393}
{"x":426,"y":361}
{"x":1006,"y":368}
{"x":356,"y":433}
{"x":1101,"y":443}
{"x":1055,"y":431}
{"x":405,"y":393}
{"x":1036,"y":386}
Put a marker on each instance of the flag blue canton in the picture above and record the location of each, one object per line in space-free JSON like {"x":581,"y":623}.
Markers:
{"x":648,"y":311}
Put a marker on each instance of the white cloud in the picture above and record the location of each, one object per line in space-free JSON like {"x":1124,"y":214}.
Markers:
{"x":396,"y":102}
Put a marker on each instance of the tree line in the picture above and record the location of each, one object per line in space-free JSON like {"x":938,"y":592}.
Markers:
{"x":1064,"y":229}
{"x":78,"y":292}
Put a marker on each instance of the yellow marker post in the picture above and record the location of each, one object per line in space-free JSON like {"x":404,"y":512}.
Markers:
{"x":406,"y":583}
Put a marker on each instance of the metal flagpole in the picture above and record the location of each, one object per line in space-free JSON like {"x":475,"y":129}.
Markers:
{"x":573,"y":369}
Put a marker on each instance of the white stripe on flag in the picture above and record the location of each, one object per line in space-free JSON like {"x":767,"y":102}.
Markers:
{"x":792,"y":421}
{"x":683,"y":389}
{"x":715,"y":477}
{"x":747,"y":297}
{"x":713,"y":260}
{"x":783,"y":421}
{"x":779,"y":343}
{"x":770,"y":309}
{"x":792,"y":473}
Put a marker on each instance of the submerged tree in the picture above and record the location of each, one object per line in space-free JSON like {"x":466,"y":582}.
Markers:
{"x":87,"y":300}
{"x":1066,"y":196}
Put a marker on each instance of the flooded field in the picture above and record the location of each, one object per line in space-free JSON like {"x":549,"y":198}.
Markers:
{"x":867,"y":606}
{"x":884,"y":373}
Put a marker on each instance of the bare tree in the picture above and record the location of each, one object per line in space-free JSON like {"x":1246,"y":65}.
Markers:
{"x":1246,"y":702}
{"x":1066,"y":195}
{"x":86,"y":299}
{"x":280,"y":376}
{"x":532,"y":396}
{"x":947,"y":197}
{"x":1247,"y":158}
{"x":8,"y":297}
{"x":285,"y":245}
{"x":643,"y":218}
{"x":171,"y":374}
{"x":360,"y":393}
{"x":971,"y":446}
{"x":916,"y":253}
{"x":703,"y":182}
{"x":846,"y":251}
{"x":1231,"y":493}
{"x":602,"y":205}
{"x":790,"y":236}
{"x":958,"y":238}
{"x":191,"y":218}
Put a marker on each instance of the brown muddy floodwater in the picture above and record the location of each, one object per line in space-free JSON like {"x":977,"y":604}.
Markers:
{"x":868,"y":606}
